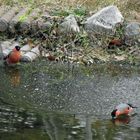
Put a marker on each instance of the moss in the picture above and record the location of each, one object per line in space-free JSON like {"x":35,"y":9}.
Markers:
{"x":25,"y":16}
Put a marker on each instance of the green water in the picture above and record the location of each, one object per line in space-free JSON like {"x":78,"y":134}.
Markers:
{"x":47,"y":101}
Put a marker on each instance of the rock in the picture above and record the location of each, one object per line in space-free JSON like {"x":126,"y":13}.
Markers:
{"x":132,"y":29}
{"x":16,"y":19}
{"x":132,"y":33}
{"x":31,"y":55}
{"x":8,"y":49}
{"x":5,"y":44}
{"x":25,"y":49}
{"x":6,"y":18}
{"x":104,"y":21}
{"x":27,"y":24}
{"x":46,"y":26}
{"x":69,"y":25}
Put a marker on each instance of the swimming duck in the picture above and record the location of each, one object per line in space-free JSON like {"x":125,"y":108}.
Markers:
{"x":122,"y":109}
{"x":14,"y":56}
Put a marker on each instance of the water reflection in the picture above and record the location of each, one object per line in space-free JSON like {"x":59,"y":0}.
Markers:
{"x":13,"y":119}
{"x":14,"y":76}
{"x":123,"y":120}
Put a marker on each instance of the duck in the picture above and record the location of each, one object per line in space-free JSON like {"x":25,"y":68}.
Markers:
{"x":13,"y":57}
{"x":115,"y":42}
{"x":122,"y":109}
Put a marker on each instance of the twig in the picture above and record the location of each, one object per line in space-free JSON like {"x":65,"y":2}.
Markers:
{"x":83,"y":2}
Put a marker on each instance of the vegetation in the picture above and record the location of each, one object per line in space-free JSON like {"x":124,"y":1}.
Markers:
{"x":52,"y":41}
{"x":124,"y":6}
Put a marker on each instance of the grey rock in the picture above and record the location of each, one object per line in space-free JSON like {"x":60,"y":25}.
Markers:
{"x":69,"y":25}
{"x":25,"y":59}
{"x":31,"y":55}
{"x":132,"y":33}
{"x":104,"y":21}
{"x":132,"y":29}
{"x":46,"y":26}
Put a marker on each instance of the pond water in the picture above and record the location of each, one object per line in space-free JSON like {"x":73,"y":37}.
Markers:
{"x":48,"y":101}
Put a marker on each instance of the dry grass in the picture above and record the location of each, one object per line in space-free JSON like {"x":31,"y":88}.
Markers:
{"x":130,"y":9}
{"x":127,"y":4}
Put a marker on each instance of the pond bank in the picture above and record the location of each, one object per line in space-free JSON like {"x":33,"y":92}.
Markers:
{"x":66,"y":38}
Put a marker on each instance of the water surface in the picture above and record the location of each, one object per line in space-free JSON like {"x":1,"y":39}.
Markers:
{"x":47,"y":101}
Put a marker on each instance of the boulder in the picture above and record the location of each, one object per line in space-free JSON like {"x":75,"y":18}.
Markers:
{"x":132,"y":33}
{"x":104,"y":21}
{"x":69,"y":25}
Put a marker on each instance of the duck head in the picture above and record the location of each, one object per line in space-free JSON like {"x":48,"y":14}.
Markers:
{"x":132,"y":106}
{"x":17,"y":48}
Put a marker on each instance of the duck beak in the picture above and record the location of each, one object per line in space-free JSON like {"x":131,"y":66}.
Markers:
{"x":134,"y":107}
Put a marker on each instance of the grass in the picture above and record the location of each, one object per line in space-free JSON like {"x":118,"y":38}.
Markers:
{"x":124,"y":6}
{"x":81,"y":9}
{"x":65,"y":7}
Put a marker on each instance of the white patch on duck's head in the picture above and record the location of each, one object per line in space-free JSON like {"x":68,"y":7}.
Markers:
{"x":122,"y":106}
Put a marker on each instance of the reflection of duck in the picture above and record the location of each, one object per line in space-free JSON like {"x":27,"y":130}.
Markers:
{"x":15,"y":78}
{"x":122,"y":109}
{"x":14,"y":75}
{"x":14,"y":56}
{"x":123,"y":119}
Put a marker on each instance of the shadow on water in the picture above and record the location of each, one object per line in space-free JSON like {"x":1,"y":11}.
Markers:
{"x":56,"y":101}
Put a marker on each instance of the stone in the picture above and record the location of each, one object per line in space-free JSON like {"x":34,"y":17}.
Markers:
{"x":31,"y":55}
{"x":132,"y":33}
{"x":69,"y":25}
{"x":46,"y":26}
{"x":132,"y":29}
{"x":104,"y":21}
